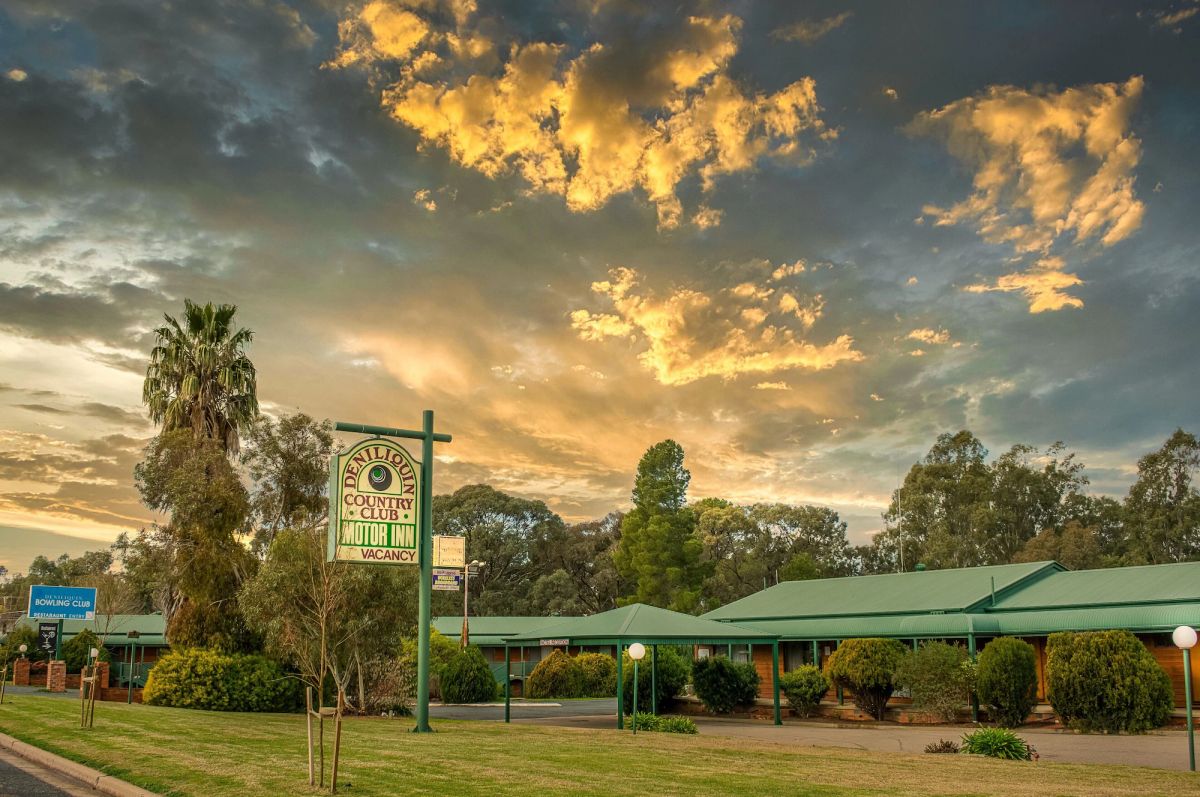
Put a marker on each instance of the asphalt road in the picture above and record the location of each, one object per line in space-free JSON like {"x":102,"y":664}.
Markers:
{"x":21,"y":778}
{"x":522,"y":710}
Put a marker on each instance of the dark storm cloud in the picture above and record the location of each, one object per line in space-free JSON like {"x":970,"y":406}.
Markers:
{"x":200,"y":150}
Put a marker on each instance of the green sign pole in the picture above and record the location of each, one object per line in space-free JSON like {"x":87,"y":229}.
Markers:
{"x":58,"y":642}
{"x":426,"y":555}
{"x":424,"y":542}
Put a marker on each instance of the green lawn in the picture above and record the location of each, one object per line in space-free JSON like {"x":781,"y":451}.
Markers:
{"x":206,"y":754}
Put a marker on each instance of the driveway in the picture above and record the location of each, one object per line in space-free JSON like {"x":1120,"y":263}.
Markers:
{"x":1161,"y":749}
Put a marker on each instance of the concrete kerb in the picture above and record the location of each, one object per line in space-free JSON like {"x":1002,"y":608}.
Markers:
{"x":93,"y":778}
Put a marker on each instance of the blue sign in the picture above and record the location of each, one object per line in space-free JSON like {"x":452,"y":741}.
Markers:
{"x":62,"y":603}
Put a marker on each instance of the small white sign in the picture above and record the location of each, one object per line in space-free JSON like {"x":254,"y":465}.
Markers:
{"x":449,"y":550}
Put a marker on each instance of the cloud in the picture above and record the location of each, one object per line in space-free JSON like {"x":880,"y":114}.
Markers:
{"x":706,"y":217}
{"x":891,"y":93}
{"x":424,"y":199}
{"x":930,"y":336}
{"x":1171,"y":19}
{"x":613,"y":118}
{"x":772,"y":386}
{"x":690,"y":334}
{"x":1050,"y":167}
{"x":16,"y":75}
{"x":810,"y":30}
{"x":1042,"y":285}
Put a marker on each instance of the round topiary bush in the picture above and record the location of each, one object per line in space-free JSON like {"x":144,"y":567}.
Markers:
{"x":803,"y":687}
{"x":207,"y":679}
{"x":867,"y":667}
{"x":557,"y":675}
{"x":723,"y":685}
{"x":466,"y":678}
{"x":672,"y":675}
{"x":1106,"y":681}
{"x":1006,"y":680}
{"x":599,"y":674}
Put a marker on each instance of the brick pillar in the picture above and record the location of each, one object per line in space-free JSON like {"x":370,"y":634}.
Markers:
{"x":102,"y":669}
{"x":56,"y":676}
{"x":21,"y":672}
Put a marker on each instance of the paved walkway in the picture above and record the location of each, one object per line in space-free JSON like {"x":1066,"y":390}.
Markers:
{"x":1163,"y":750}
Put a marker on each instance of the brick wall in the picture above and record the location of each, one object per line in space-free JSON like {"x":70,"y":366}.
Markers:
{"x":21,"y":672}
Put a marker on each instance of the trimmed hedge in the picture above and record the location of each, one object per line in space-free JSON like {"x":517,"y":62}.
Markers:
{"x":1106,"y":681}
{"x":466,"y":678}
{"x":557,"y":675}
{"x":867,"y":667}
{"x":207,"y":679}
{"x":935,"y":678}
{"x":673,"y":672}
{"x":599,"y":674}
{"x":1006,"y":680}
{"x":723,"y":685}
{"x":803,"y":687}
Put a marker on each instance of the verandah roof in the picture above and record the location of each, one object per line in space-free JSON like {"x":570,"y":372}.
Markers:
{"x":641,"y":623}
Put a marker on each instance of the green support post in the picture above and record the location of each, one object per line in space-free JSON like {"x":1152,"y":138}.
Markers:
{"x":775,"y":679}
{"x":654,"y":679}
{"x":132,"y":653}
{"x":507,"y":683}
{"x":729,"y":651}
{"x":620,"y":687}
{"x":58,"y":642}
{"x":971,"y":653}
{"x":816,"y":655}
{"x":1187,"y":698}
{"x":425,"y":596}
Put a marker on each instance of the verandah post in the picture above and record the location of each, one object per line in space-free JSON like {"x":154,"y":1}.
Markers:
{"x":620,"y":686}
{"x":654,"y":679}
{"x":507,"y":682}
{"x":775,"y":679}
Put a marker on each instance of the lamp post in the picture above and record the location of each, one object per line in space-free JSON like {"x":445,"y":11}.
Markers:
{"x":1184,"y":638}
{"x":637,"y":651}
{"x":23,"y":648}
{"x":472,"y":569}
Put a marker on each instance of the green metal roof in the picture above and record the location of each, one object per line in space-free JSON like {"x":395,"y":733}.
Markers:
{"x":893,"y":593}
{"x":490,"y":631}
{"x":1162,"y":618}
{"x":641,"y":623}
{"x":909,"y":626}
{"x":114,"y":629}
{"x":1170,"y":583}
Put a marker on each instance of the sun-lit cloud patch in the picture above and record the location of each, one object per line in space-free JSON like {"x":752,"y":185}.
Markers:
{"x":1042,"y":286}
{"x":891,"y":93}
{"x":583,"y":125}
{"x":808,"y":31}
{"x":424,"y":199}
{"x":16,"y":75}
{"x":1171,"y":18}
{"x":930,"y":336}
{"x":1050,"y":167}
{"x":689,"y":334}
{"x":772,"y":386}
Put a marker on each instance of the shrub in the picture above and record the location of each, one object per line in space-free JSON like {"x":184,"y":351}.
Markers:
{"x":723,"y":685}
{"x":441,"y":650}
{"x":557,"y":675}
{"x":76,"y":650}
{"x":866,"y":667}
{"x":804,"y":687}
{"x":22,"y":635}
{"x":935,"y":678}
{"x":673,"y":672}
{"x":467,"y":678}
{"x":208,"y":679}
{"x":599,"y":674}
{"x":997,"y":743}
{"x":1006,"y":680}
{"x":942,"y":746}
{"x":1106,"y":681}
{"x":653,"y":722}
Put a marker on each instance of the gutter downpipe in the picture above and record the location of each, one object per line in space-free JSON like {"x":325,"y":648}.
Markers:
{"x":971,"y":651}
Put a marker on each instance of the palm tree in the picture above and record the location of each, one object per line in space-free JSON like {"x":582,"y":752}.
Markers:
{"x":199,"y":376}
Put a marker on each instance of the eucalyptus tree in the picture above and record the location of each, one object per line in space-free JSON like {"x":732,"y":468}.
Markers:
{"x":200,"y":378}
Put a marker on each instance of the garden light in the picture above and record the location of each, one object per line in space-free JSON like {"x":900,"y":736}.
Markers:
{"x":1184,"y":638}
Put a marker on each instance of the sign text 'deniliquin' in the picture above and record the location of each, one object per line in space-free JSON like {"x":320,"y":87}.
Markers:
{"x":377,"y":495}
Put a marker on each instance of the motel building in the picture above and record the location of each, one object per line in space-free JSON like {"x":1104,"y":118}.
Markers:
{"x":967,"y":606}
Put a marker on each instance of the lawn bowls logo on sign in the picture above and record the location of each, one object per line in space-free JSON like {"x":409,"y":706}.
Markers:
{"x":376,"y":493}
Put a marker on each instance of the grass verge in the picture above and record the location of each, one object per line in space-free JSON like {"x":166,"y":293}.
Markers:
{"x":208,"y":754}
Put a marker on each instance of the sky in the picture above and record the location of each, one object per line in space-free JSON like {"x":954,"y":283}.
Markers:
{"x":802,"y":239}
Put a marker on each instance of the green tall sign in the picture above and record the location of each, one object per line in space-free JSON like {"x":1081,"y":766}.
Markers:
{"x":381,"y":512}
